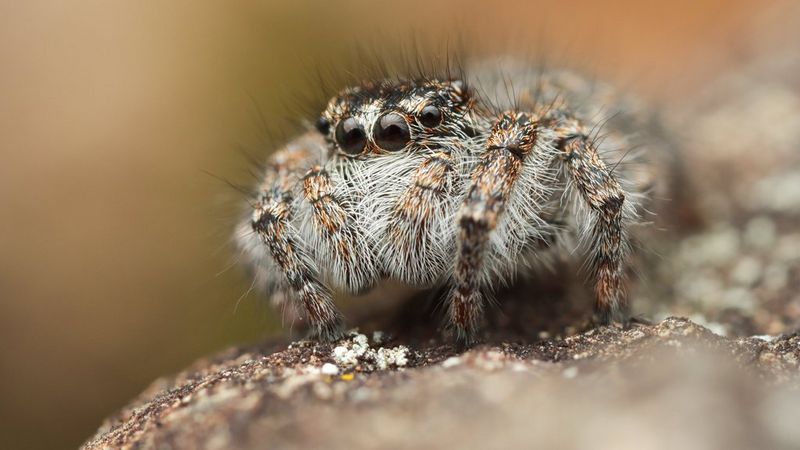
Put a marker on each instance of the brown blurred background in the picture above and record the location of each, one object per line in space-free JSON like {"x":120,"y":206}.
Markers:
{"x":114,"y":239}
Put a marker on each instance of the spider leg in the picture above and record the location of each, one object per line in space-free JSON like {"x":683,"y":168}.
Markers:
{"x":511,"y":140}
{"x":605,"y":224}
{"x":265,"y":274}
{"x":335,"y":236}
{"x":271,"y":221}
{"x":413,"y":239}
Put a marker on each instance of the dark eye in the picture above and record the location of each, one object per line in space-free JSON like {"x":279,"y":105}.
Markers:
{"x":391,"y":132}
{"x":351,"y":136}
{"x":430,"y":117}
{"x":323,"y":125}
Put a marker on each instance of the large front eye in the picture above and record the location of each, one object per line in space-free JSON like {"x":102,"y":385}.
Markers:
{"x":430,"y":117}
{"x":391,"y":132}
{"x":350,"y":136}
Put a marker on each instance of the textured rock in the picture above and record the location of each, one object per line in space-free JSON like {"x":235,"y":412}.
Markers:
{"x":662,"y":386}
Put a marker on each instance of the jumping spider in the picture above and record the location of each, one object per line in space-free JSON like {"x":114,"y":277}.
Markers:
{"x":441,"y":182}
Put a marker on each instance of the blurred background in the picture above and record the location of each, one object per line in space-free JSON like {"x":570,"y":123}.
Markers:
{"x":114,"y":238}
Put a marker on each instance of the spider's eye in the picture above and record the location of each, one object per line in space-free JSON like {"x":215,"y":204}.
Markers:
{"x":323,"y":125}
{"x":351,"y":136}
{"x":391,"y":132}
{"x":430,"y":117}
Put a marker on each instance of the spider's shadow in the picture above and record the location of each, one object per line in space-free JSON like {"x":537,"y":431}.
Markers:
{"x":542,"y":306}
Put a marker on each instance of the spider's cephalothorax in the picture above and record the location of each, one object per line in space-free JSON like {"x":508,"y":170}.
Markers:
{"x":428,"y":183}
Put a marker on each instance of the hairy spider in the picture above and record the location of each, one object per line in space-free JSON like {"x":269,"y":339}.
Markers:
{"x":458,"y":182}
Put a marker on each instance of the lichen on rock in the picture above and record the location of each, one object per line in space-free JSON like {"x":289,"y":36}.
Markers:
{"x":356,"y":352}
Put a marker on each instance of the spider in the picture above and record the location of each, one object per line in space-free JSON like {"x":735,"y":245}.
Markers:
{"x":459,"y":183}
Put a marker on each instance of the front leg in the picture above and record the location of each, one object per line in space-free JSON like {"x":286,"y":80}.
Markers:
{"x":415,"y":248}
{"x":604,"y":227}
{"x":512,"y":139}
{"x":271,"y":221}
{"x":329,"y":225}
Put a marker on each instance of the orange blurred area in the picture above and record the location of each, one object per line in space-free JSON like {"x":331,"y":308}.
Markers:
{"x":114,"y":255}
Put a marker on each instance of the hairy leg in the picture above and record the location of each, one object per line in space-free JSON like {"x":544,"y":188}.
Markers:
{"x":272,"y":222}
{"x":412,"y":239}
{"x":334,"y":234}
{"x":512,"y":139}
{"x":605,"y":226}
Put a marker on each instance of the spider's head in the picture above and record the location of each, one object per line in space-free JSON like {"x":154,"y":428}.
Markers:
{"x":406,"y":116}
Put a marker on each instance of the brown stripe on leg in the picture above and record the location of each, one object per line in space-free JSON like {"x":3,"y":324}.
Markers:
{"x":338,"y":231}
{"x":608,"y":242}
{"x":414,"y":213}
{"x":271,"y":221}
{"x":512,"y":138}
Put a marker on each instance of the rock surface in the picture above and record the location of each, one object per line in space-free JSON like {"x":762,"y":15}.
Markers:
{"x":672,"y":384}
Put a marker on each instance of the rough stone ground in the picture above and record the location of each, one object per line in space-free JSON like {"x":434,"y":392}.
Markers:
{"x":603,"y":388}
{"x":727,"y":377}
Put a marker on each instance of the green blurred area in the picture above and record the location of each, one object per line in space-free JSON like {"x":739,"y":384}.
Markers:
{"x":115,"y":266}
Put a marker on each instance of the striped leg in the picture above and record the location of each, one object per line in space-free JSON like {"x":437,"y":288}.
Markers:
{"x":272,"y":222}
{"x":511,"y":140}
{"x":334,"y":234}
{"x":414,"y":244}
{"x":606,"y":222}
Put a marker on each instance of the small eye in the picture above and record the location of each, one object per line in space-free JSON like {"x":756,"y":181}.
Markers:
{"x":391,"y":132}
{"x":430,"y":117}
{"x":351,"y":136}
{"x":323,"y":125}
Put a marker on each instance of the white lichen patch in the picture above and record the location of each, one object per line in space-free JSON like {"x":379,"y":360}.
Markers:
{"x":330,"y":369}
{"x":391,"y":357}
{"x":357,"y":352}
{"x":349,"y":353}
